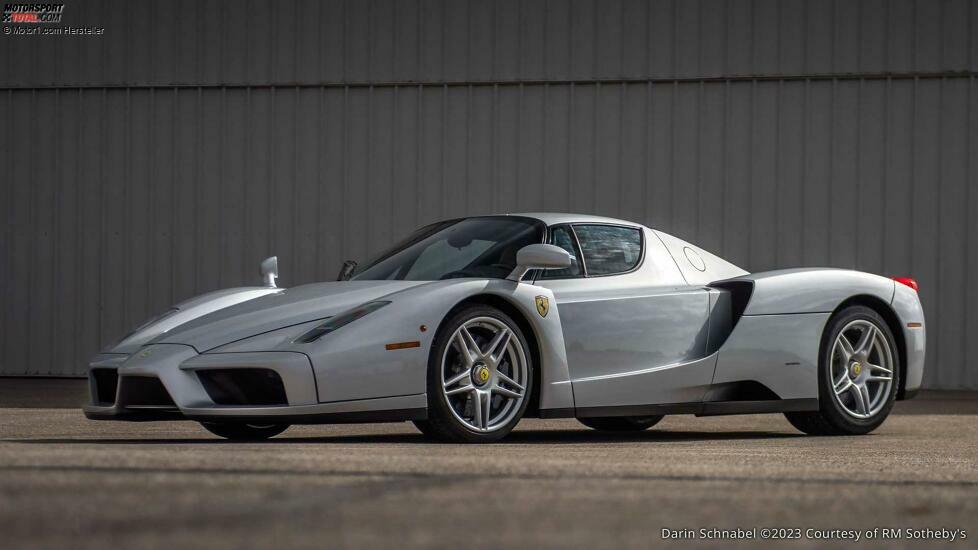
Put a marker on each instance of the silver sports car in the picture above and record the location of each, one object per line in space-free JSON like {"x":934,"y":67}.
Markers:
{"x":469,"y":325}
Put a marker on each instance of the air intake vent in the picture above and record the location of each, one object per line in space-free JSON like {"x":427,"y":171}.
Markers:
{"x":144,"y":391}
{"x":104,"y":382}
{"x":243,"y":386}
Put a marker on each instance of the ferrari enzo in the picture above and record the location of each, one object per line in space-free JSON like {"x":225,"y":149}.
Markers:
{"x":469,"y":325}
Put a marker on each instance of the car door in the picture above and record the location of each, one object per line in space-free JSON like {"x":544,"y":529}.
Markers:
{"x":635,"y":332}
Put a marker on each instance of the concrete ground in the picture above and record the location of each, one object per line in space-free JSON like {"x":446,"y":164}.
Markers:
{"x":69,"y":482}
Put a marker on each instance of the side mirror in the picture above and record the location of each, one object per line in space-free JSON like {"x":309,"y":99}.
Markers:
{"x":269,"y":271}
{"x":539,"y":256}
{"x":347,"y":270}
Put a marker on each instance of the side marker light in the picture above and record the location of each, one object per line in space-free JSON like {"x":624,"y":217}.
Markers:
{"x":402,"y":345}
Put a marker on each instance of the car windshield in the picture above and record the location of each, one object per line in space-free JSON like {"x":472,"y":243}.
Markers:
{"x":472,"y":247}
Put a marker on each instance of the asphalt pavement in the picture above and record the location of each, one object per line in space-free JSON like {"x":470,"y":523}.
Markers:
{"x":66,"y":482}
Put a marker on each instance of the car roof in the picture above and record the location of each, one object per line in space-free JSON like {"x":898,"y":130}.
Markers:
{"x":554,"y":218}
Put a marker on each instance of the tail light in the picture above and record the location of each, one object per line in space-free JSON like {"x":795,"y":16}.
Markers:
{"x":907,"y":281}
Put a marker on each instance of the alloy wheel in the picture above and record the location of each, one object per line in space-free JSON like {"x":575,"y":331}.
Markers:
{"x":861,"y":369}
{"x":484,"y":374}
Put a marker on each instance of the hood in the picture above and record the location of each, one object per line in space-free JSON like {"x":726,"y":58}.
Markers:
{"x":183,"y":313}
{"x":292,"y":306}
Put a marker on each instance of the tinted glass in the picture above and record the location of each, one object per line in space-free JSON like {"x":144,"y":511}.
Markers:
{"x":561,"y":236}
{"x":473,"y":247}
{"x":609,"y":249}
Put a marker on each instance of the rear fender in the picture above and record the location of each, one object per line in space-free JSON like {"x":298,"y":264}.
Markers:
{"x":817,"y":290}
{"x":775,"y":341}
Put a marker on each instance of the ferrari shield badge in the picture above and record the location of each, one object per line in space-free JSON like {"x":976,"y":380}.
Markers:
{"x":543,"y":305}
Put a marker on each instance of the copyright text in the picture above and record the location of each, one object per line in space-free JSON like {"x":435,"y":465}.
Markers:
{"x":812,"y":533}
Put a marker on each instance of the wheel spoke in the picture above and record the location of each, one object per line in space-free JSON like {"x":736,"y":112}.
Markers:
{"x":872,"y":368}
{"x":866,"y":341}
{"x":885,"y":376}
{"x":499,"y":342}
{"x":486,"y":402}
{"x":845,"y":348}
{"x":460,"y":389}
{"x":860,"y":398}
{"x":481,"y":402}
{"x":507,"y":392}
{"x":864,"y":390}
{"x":456,"y":379}
{"x":843,"y":376}
{"x":842,"y":385}
{"x":466,"y":344}
{"x":460,"y":377}
{"x":503,"y":377}
{"x":476,"y":408}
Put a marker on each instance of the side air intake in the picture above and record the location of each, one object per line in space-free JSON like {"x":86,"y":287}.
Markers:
{"x":243,"y":386}
{"x":729,"y":308}
{"x":740,"y":293}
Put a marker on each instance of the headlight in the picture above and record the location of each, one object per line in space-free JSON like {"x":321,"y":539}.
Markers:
{"x":339,"y":321}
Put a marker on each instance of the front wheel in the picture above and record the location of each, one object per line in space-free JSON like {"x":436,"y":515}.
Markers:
{"x":244,"y":432}
{"x":480,"y":377}
{"x":858,"y":375}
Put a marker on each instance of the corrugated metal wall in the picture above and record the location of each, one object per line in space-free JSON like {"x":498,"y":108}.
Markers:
{"x":254,"y":42}
{"x":167,"y":158}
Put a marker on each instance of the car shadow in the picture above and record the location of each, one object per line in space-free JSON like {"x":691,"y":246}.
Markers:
{"x":521,"y":437}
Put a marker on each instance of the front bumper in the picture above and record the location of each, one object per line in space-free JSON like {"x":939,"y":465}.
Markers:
{"x":173,"y":382}
{"x":165,"y":381}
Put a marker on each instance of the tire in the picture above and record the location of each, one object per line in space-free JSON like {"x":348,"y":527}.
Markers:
{"x":244,"y":432}
{"x":621,"y":423}
{"x":841,"y":410}
{"x":490,"y":377}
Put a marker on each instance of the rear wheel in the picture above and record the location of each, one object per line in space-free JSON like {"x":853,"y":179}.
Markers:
{"x":244,"y":432}
{"x":858,"y":376}
{"x":621,"y":423}
{"x":480,"y":377}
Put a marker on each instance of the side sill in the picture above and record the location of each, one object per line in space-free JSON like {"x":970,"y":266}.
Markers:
{"x":718,"y":408}
{"x":638,"y":410}
{"x":567,"y":412}
{"x":712,"y":408}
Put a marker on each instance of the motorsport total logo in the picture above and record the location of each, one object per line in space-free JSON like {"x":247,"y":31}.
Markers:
{"x":32,"y":13}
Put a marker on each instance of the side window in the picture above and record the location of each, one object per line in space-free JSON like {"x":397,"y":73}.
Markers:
{"x":561,"y":236}
{"x":609,"y":249}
